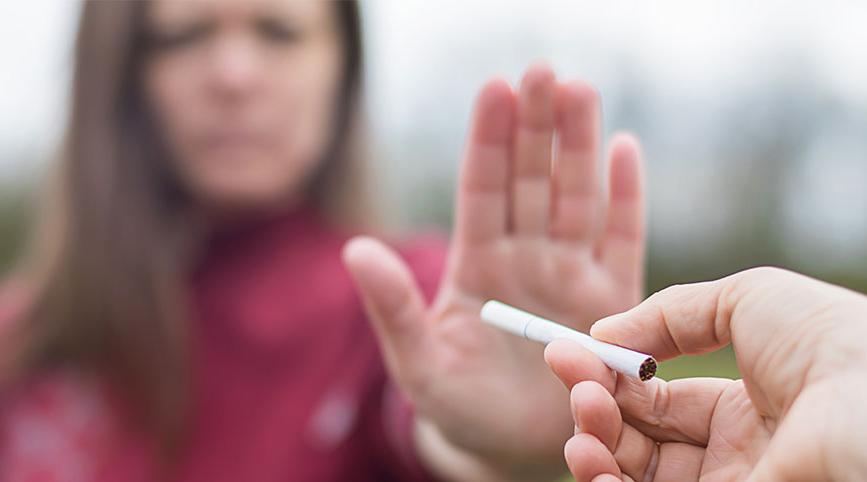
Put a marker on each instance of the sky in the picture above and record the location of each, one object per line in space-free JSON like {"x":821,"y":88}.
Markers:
{"x":35,"y":43}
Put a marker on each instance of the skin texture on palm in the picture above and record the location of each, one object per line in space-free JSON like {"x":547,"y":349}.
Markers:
{"x":796,"y":416}
{"x":533,"y":228}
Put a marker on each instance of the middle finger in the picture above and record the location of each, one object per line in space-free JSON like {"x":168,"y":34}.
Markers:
{"x":532,"y":152}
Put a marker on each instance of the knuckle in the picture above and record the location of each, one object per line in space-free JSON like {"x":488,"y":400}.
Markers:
{"x":661,"y":404}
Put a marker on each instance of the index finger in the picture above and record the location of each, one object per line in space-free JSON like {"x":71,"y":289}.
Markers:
{"x":483,"y":193}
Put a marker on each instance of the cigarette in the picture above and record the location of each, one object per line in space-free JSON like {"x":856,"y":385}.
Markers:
{"x":623,"y":360}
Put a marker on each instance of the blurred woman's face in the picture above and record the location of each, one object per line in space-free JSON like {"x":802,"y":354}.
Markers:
{"x":245,"y":93}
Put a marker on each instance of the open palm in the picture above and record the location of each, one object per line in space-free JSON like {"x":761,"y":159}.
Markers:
{"x":533,"y":228}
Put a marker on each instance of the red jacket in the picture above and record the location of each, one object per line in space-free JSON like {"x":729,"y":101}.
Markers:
{"x":289,"y":384}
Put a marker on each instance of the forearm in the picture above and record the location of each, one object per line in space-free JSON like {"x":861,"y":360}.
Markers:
{"x":449,"y":463}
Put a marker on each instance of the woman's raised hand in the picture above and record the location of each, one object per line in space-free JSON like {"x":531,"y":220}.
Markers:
{"x":535,"y":229}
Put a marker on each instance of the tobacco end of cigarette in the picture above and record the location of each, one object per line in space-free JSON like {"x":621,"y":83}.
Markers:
{"x":647,"y":370}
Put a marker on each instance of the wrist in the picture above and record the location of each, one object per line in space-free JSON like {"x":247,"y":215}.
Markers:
{"x":451,"y":463}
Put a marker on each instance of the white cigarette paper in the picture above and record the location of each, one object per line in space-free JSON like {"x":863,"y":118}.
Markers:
{"x":529,"y":326}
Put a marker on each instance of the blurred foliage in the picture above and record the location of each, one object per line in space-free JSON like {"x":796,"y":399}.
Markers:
{"x":15,"y":204}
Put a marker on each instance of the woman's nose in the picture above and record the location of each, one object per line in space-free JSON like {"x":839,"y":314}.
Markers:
{"x":236,"y":65}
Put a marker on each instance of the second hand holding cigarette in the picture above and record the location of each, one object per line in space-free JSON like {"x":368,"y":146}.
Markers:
{"x":529,"y":326}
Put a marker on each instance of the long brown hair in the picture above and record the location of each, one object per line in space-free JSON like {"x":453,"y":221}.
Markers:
{"x":111,"y":260}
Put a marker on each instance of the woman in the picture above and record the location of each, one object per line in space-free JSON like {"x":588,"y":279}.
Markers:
{"x":187,"y":314}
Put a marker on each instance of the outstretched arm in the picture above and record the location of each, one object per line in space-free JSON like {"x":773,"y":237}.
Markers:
{"x":533,"y":228}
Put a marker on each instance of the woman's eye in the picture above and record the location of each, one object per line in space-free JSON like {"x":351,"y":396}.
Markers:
{"x":277,"y":31}
{"x":168,"y":40}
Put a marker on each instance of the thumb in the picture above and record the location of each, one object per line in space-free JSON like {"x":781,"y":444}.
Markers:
{"x":393,"y":302}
